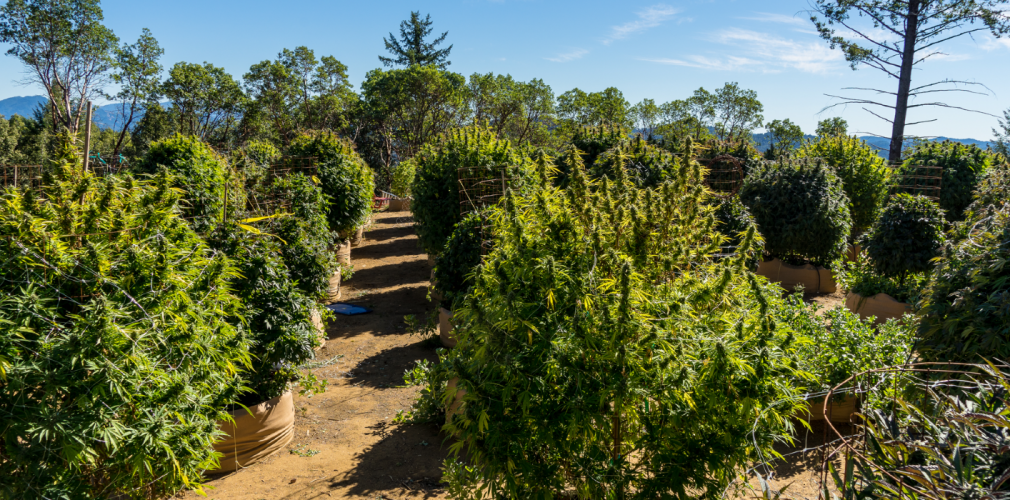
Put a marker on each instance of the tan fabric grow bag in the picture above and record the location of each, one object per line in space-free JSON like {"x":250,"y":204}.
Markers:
{"x":343,"y":250}
{"x":399,"y":205}
{"x":359,"y":236}
{"x":254,"y":437}
{"x":333,"y":290}
{"x":317,"y":323}
{"x":456,"y":402}
{"x":838,"y":411}
{"x":881,"y":305}
{"x":813,"y":279}
{"x":853,"y":254}
{"x":445,"y":328}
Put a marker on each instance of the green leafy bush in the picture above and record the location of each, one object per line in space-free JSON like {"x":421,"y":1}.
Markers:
{"x":963,"y":167}
{"x":458,"y":260}
{"x":403,"y":178}
{"x":116,"y":356}
{"x":305,"y":234}
{"x":199,"y":171}
{"x":647,"y":165}
{"x":864,"y":173}
{"x":906,"y":238}
{"x":861,"y":277}
{"x":276,"y":314}
{"x":994,"y":188}
{"x":801,"y":210}
{"x":591,"y":142}
{"x":837,"y":344}
{"x":436,"y":204}
{"x":345,"y":178}
{"x":966,"y":306}
{"x":595,"y":363}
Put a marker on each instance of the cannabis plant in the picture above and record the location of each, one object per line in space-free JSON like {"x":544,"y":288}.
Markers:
{"x":458,"y":261}
{"x":437,"y":205}
{"x":906,"y":238}
{"x":605,"y":354}
{"x":963,"y":166}
{"x":800,"y":208}
{"x":647,"y":165}
{"x":304,"y":233}
{"x":346,"y":180}
{"x":116,"y":357}
{"x":864,"y":174}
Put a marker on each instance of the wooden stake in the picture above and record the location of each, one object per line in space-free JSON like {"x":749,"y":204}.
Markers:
{"x":87,"y":137}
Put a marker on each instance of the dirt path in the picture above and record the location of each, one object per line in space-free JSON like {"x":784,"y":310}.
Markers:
{"x":345,"y":444}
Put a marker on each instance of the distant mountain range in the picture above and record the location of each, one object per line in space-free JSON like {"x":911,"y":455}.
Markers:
{"x":108,"y":116}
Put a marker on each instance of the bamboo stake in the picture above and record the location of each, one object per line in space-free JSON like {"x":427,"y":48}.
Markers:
{"x":87,"y":137}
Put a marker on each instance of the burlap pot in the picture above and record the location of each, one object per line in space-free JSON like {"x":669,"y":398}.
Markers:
{"x":838,"y":411}
{"x":881,"y":305}
{"x":317,"y":323}
{"x":333,"y":290}
{"x":358,"y":237}
{"x":254,"y":437}
{"x":343,"y":251}
{"x":445,"y":328}
{"x":453,"y":409}
{"x":813,"y":279}
{"x":853,"y":254}
{"x":399,"y":205}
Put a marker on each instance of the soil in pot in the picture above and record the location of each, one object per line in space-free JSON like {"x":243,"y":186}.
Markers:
{"x":881,"y":305}
{"x":814,"y":279}
{"x":252,"y":437}
{"x":445,"y":328}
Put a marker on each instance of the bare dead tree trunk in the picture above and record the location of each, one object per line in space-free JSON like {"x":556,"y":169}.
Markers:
{"x":904,"y":82}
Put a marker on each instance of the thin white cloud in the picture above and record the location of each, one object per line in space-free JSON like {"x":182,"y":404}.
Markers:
{"x":992,"y":43}
{"x":767,"y":17}
{"x":649,"y":18}
{"x":763,"y":52}
{"x":568,"y":56}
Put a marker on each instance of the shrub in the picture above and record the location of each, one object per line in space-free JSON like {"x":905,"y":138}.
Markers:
{"x":436,"y":204}
{"x":305,"y":234}
{"x":837,"y":344}
{"x":403,"y":178}
{"x":966,"y":306}
{"x":860,"y":277}
{"x":591,"y":142}
{"x":963,"y":166}
{"x":647,"y":166}
{"x":906,"y":237}
{"x":800,"y":208}
{"x":275,"y":312}
{"x":594,"y":362}
{"x":458,"y":260}
{"x":864,"y":173}
{"x":116,"y":359}
{"x":345,"y":178}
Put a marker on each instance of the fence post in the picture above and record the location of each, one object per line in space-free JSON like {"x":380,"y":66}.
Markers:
{"x":87,"y":137}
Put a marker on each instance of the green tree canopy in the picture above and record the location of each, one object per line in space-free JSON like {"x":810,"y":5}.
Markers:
{"x":783,"y":136}
{"x":65,"y":48}
{"x":411,"y":49}
{"x":204,"y":98}
{"x":831,"y":127}
{"x":138,"y":74}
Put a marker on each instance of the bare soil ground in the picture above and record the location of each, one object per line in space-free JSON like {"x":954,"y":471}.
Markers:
{"x":346,"y":445}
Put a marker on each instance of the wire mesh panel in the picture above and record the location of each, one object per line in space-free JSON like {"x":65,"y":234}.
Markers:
{"x":724,"y":176}
{"x":33,"y":176}
{"x":919,"y":180}
{"x":479,"y":189}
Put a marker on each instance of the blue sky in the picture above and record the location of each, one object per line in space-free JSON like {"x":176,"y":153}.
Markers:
{"x":647,"y":49}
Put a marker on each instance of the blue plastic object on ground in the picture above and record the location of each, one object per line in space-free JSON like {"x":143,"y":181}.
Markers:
{"x":348,"y":309}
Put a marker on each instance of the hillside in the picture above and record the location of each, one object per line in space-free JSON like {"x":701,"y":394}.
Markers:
{"x":106,"y":116}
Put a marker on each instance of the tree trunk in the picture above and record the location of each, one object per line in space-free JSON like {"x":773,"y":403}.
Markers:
{"x":904,"y":82}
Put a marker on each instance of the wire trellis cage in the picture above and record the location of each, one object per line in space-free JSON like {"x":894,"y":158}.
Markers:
{"x":924,"y":180}
{"x":724,"y":176}
{"x":33,"y":176}
{"x":482,"y":187}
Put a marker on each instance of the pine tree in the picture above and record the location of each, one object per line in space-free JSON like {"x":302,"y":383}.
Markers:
{"x":411,"y":48}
